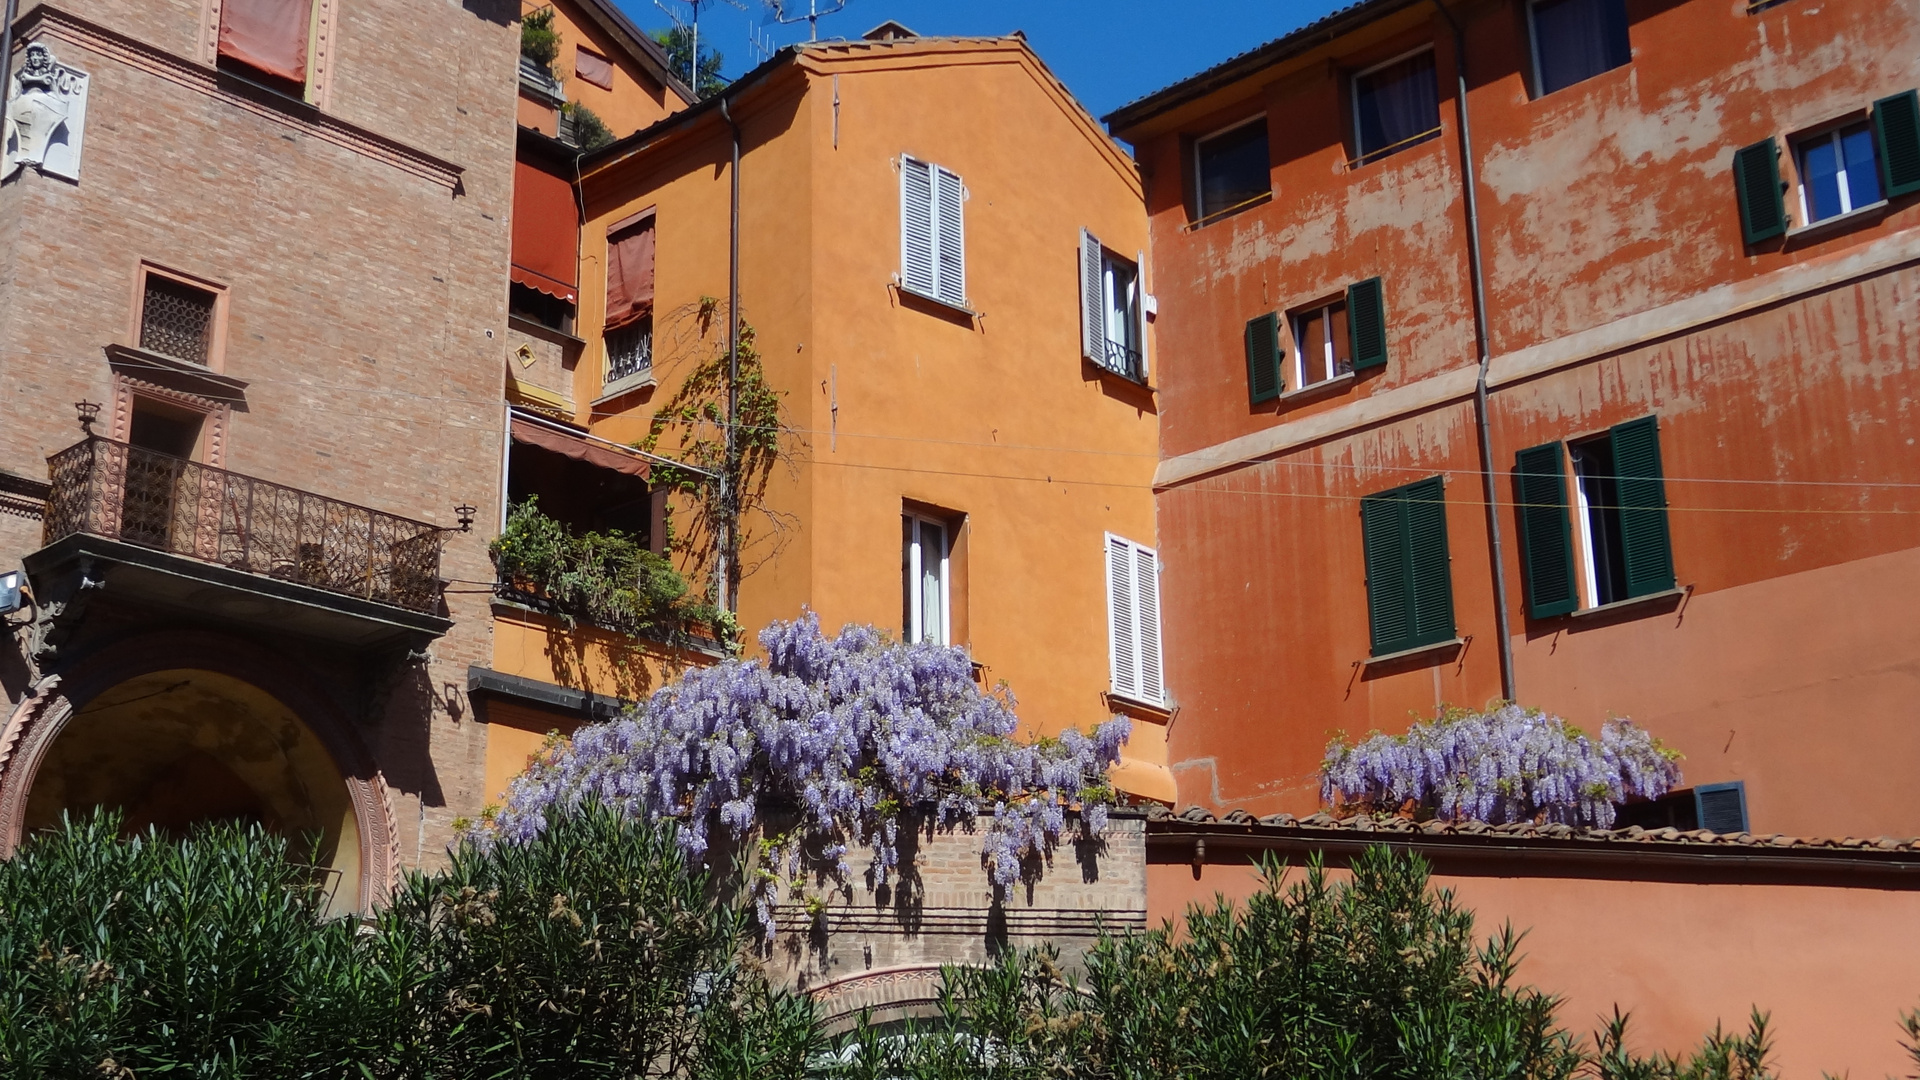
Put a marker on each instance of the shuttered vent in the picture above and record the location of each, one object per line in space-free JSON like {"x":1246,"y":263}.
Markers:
{"x":1646,"y":548}
{"x":1263,"y":358}
{"x":1093,"y":306}
{"x":1546,"y":535}
{"x":1756,"y":181}
{"x":1896,"y":129}
{"x":1133,"y":621}
{"x":1409,"y":579}
{"x":1367,"y":323}
{"x":1722,"y":807}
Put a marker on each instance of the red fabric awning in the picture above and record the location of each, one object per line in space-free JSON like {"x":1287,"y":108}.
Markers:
{"x":577,"y":448}
{"x":546,"y":232}
{"x":270,"y":35}
{"x":630,"y":273}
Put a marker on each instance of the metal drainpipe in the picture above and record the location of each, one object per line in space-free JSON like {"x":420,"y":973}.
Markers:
{"x":1480,"y":340}
{"x":729,"y":592}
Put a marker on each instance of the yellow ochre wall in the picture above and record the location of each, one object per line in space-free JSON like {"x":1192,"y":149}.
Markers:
{"x":637,"y":98}
{"x":991,"y":414}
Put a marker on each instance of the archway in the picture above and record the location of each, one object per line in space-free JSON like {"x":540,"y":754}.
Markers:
{"x":177,"y":748}
{"x":181,"y":728}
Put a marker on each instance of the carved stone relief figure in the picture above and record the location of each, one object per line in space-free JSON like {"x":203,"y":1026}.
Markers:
{"x":46,"y":116}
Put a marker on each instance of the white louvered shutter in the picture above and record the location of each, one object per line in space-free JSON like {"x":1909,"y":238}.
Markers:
{"x":949,"y":237}
{"x":1146,"y":584}
{"x":916,"y":227}
{"x":1093,"y":308}
{"x":1122,"y":630}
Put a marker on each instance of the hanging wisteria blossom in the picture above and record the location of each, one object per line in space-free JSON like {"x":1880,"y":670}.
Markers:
{"x":846,"y":735}
{"x":1508,"y":764}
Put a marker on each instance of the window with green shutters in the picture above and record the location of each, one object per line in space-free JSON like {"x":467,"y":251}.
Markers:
{"x":1896,"y":133}
{"x":1409,"y":579}
{"x":1263,"y":358}
{"x":1546,"y":535}
{"x":1618,"y":513}
{"x":1756,"y":182}
{"x":1367,"y":323}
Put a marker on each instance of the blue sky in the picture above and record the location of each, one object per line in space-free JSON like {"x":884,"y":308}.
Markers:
{"x":1109,"y":52}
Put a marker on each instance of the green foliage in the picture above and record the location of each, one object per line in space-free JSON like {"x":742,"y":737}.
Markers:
{"x":678,"y":43}
{"x":589,"y":131}
{"x":608,"y":579}
{"x":1720,"y":1056}
{"x":539,"y":41}
{"x":593,"y":951}
{"x":204,"y":957}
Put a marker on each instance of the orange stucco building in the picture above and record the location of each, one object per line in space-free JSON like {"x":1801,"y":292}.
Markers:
{"x":963,"y":436}
{"x":1681,"y":297}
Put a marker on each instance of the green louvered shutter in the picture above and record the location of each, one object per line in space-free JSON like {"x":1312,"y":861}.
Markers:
{"x":1263,"y":358}
{"x":1430,"y":570}
{"x":1383,"y":538}
{"x":1756,"y":180}
{"x":1645,"y":545}
{"x":1896,"y":135}
{"x":1367,"y":324}
{"x":1546,"y":535}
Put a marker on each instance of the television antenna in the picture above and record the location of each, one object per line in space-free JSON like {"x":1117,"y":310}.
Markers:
{"x":812,"y":17}
{"x":691,"y":23}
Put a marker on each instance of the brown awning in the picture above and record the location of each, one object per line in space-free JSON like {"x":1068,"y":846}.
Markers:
{"x":630,"y":273}
{"x":270,"y":35}
{"x":546,"y":232}
{"x":577,"y":448}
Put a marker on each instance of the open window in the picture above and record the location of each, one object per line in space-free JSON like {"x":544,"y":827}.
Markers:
{"x":1112,"y":315}
{"x":1395,"y":105}
{"x":583,"y":484}
{"x":1610,"y":542}
{"x":1231,"y":169}
{"x":628,"y":336}
{"x":1574,"y":40}
{"x":927,"y":576}
{"x":267,"y":41}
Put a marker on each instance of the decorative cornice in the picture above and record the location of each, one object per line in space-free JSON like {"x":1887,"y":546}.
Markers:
{"x":298,"y":115}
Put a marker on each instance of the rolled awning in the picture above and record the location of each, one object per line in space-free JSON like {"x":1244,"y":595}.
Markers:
{"x":576,"y":447}
{"x":546,"y":232}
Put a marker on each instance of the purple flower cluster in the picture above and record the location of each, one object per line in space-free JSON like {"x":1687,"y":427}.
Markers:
{"x":844,"y":733}
{"x":1507,"y":764}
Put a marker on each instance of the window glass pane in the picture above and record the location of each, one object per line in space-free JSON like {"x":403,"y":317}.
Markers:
{"x":1310,"y":331}
{"x":1863,"y":173}
{"x":933,"y":593}
{"x":1395,"y":104}
{"x":1578,"y":39}
{"x":1820,"y":165}
{"x":1233,"y":168}
{"x":1599,"y":498}
{"x":1122,"y":304}
{"x":1342,"y":345}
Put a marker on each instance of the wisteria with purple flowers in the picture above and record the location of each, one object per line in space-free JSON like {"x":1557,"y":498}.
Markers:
{"x":1507,"y":764}
{"x":849,"y":734}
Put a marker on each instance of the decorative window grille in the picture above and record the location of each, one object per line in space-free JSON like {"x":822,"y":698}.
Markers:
{"x":630,"y":350}
{"x":176,"y":319}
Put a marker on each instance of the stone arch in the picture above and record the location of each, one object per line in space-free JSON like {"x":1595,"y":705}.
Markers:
{"x":53,"y":704}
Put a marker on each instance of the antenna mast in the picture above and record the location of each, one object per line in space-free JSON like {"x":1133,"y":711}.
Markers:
{"x":812,"y":18}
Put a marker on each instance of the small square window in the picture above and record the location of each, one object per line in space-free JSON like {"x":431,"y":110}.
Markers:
{"x":1322,"y":347}
{"x":1574,"y":40}
{"x":1231,"y":168}
{"x":1839,"y":172}
{"x":1395,"y":105}
{"x":176,"y":319}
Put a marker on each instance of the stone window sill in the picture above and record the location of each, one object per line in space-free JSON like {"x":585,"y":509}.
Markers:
{"x":1865,"y":215}
{"x":639,"y":380}
{"x":1618,"y":606}
{"x":1314,"y":390}
{"x":928,"y":298}
{"x":1416,"y":651}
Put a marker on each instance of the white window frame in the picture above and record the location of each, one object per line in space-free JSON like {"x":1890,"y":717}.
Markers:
{"x":1097,"y":264}
{"x":916,"y":598}
{"x":1297,"y":356}
{"x":1831,"y":136}
{"x":947,"y":196}
{"x":1199,"y":178}
{"x":1134,"y":621}
{"x":1360,"y":153}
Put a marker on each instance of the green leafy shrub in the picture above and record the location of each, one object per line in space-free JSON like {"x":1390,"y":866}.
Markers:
{"x":539,"y":41}
{"x":606,"y":578}
{"x":589,"y":131}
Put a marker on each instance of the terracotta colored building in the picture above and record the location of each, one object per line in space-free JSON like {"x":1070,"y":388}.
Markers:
{"x":939,"y":275}
{"x":1651,"y":298}
{"x":280,"y":300}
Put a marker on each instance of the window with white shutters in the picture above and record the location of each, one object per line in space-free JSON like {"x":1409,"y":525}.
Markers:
{"x":1112,"y":327}
{"x":1133,"y":620}
{"x":933,"y":250}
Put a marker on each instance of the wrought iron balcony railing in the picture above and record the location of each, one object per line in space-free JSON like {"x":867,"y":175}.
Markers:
{"x":629,"y":350}
{"x":139,"y":496}
{"x":1123,"y":360}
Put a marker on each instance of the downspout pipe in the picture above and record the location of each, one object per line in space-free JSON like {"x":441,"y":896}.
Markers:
{"x":729,"y":497}
{"x":1480,"y":410}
